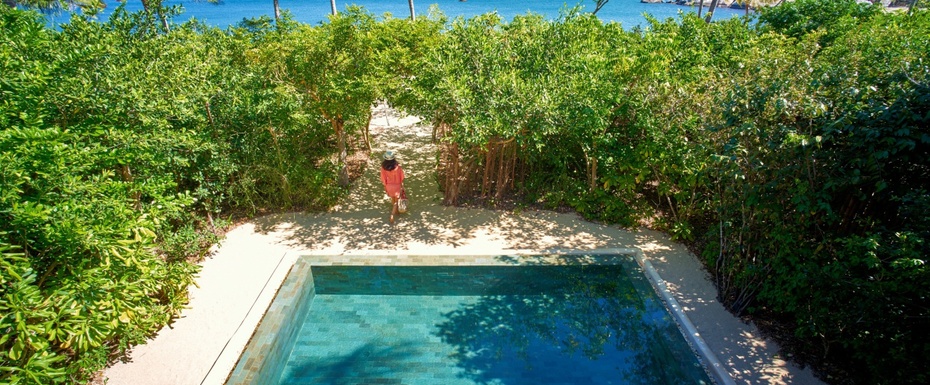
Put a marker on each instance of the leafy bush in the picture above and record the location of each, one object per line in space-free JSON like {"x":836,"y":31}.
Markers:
{"x":119,"y":143}
{"x":793,"y":152}
{"x":802,"y":17}
{"x":822,"y":170}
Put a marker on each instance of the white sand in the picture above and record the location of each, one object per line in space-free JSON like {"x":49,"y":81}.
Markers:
{"x":238,"y":281}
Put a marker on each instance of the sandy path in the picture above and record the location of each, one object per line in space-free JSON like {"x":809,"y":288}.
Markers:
{"x":250,"y":259}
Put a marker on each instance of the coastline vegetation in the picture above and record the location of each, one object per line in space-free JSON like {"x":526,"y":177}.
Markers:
{"x":791,"y":153}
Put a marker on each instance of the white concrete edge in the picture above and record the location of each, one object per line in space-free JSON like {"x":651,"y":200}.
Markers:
{"x":472,"y":253}
{"x":228,"y":358}
{"x":717,"y":370}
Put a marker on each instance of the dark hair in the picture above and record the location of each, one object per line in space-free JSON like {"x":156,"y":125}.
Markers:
{"x":389,"y":164}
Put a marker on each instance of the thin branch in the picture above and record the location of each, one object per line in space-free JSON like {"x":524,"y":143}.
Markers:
{"x":600,"y":4}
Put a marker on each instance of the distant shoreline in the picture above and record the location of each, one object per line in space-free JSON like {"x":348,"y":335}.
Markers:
{"x":732,"y":4}
{"x":627,"y":12}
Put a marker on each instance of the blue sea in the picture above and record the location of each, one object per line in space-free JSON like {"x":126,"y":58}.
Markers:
{"x":230,"y":12}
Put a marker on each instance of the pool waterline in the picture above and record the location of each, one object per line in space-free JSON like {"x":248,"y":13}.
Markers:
{"x":276,"y":334}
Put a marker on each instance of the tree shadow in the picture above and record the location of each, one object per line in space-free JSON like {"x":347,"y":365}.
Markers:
{"x":587,"y":325}
{"x":370,"y":363}
{"x":504,"y":325}
{"x":360,"y":221}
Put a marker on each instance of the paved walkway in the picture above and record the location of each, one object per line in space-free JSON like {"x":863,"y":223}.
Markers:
{"x":237,"y":283}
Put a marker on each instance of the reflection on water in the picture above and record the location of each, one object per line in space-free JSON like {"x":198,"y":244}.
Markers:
{"x":598,"y":329}
{"x":594,"y":324}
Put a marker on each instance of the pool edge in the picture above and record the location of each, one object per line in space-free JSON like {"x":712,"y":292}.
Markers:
{"x":226,"y":362}
{"x":713,"y":365}
{"x":220,"y":374}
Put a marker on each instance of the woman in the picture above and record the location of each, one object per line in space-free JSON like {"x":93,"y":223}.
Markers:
{"x":392,"y":176}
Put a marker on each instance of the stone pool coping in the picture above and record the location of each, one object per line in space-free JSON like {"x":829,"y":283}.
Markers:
{"x":266,"y":314}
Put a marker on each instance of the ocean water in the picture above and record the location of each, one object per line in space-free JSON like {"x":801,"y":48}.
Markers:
{"x":629,"y":13}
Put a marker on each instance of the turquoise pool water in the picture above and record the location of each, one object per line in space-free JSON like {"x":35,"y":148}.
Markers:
{"x":577,"y":324}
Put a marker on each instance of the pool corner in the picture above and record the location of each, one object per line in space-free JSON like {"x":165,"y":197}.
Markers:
{"x":713,"y":365}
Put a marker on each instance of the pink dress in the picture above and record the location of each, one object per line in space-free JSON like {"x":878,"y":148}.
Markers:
{"x":393,"y":181}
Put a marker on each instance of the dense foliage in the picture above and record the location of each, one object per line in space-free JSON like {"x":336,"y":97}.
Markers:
{"x":122,"y":145}
{"x":793,"y":152}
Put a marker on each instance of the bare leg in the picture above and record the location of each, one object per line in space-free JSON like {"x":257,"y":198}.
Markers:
{"x":393,"y":209}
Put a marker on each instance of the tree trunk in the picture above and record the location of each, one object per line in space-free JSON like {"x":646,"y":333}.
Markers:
{"x":126,"y":175}
{"x":148,"y":5}
{"x":10,"y":3}
{"x":486,"y":180}
{"x":367,"y":133}
{"x":277,"y":12}
{"x":450,"y":167}
{"x":164,"y":21}
{"x":332,"y":3}
{"x":339,"y":127}
{"x":710,"y":11}
{"x":700,"y":7}
{"x":592,"y":183}
{"x":209,"y":113}
{"x":413,"y":16}
{"x":591,"y":170}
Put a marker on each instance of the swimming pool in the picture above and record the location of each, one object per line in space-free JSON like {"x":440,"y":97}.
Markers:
{"x":591,"y":319}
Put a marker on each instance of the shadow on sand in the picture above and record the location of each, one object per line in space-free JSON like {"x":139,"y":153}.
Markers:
{"x":360,"y":221}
